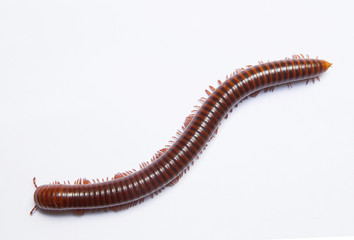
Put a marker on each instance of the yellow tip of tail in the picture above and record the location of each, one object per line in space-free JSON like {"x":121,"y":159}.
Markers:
{"x":327,"y":64}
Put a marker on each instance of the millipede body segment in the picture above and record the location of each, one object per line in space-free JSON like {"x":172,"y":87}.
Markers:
{"x":127,"y":189}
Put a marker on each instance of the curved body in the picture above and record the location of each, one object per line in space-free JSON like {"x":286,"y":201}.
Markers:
{"x":177,"y":158}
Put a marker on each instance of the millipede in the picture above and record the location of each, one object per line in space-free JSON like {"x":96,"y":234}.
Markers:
{"x":167,"y":166}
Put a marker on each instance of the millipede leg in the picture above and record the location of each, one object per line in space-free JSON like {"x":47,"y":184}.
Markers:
{"x":33,"y":209}
{"x":34,"y":182}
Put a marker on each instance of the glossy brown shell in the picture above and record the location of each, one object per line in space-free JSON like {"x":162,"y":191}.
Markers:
{"x":177,"y":158}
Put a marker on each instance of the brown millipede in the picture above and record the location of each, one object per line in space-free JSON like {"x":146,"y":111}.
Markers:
{"x":167,"y":166}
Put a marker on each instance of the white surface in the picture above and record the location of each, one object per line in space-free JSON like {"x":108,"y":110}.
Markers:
{"x":325,"y":238}
{"x":89,"y":88}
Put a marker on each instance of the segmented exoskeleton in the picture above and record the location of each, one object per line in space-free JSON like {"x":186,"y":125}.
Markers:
{"x":127,"y":189}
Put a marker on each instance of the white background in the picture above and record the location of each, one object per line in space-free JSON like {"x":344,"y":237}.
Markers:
{"x":90,"y":88}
